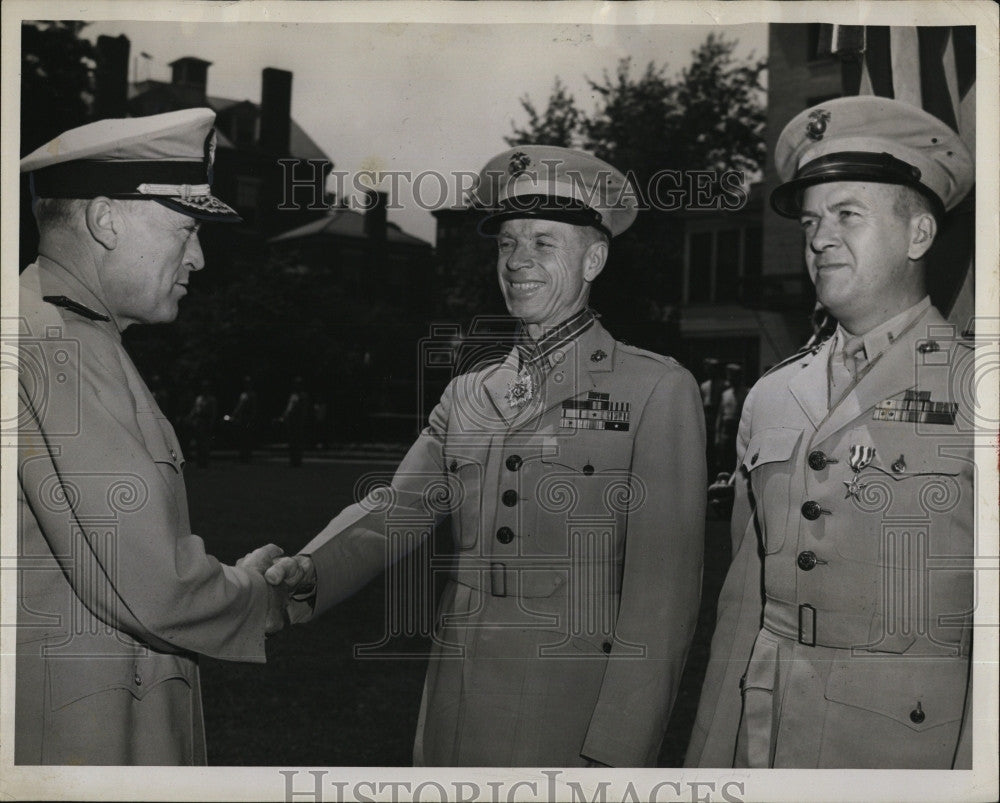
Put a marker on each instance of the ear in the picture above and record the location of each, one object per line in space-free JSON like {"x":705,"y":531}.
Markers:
{"x":593,"y":259}
{"x":923,"y":230}
{"x":104,"y":222}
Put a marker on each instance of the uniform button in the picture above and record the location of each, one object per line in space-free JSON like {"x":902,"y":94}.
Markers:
{"x":509,"y":498}
{"x":588,"y":469}
{"x":514,"y":462}
{"x":753,"y":460}
{"x":606,"y":646}
{"x":137,"y":679}
{"x":505,"y":535}
{"x":811,"y":510}
{"x":917,"y":715}
{"x":453,"y":467}
{"x":173,"y":455}
{"x":806,"y":561}
{"x":817,"y":460}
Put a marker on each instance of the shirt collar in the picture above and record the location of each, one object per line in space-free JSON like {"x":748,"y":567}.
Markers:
{"x":884,"y":335}
{"x":536,"y":352}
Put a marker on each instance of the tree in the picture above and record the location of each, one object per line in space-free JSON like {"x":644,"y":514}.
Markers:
{"x":557,"y":125}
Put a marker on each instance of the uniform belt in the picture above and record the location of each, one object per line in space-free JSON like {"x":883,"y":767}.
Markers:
{"x":816,"y":627}
{"x":538,"y":577}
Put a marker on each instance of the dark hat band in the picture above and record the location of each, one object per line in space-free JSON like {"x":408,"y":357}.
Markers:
{"x":879,"y":168}
{"x":115,"y":179}
{"x":542,"y":207}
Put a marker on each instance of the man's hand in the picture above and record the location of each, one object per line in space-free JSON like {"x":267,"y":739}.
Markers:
{"x":293,"y":573}
{"x":260,"y":559}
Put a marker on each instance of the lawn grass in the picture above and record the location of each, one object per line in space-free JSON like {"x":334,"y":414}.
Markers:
{"x":314,"y":703}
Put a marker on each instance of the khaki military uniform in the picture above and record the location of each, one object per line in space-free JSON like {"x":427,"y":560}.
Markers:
{"x":844,"y":627}
{"x":115,"y":595}
{"x":578,"y":523}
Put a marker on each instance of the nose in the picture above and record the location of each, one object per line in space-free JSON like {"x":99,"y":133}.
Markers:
{"x":518,"y":258}
{"x":194,"y":257}
{"x":824,"y":235}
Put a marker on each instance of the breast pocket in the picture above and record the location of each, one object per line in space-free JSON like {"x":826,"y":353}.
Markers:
{"x":586,"y":478}
{"x":768,"y":461}
{"x":465,"y":490}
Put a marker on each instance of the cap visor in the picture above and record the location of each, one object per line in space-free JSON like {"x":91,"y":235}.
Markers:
{"x":489,"y":226}
{"x":206,"y":207}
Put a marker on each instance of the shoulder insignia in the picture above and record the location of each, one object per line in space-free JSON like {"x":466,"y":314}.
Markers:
{"x":75,"y":306}
{"x":808,"y":350}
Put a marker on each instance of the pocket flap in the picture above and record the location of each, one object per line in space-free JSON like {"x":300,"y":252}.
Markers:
{"x":772,"y":445}
{"x":921,"y":693}
{"x":72,"y":679}
{"x":589,"y":452}
{"x":762,"y":671}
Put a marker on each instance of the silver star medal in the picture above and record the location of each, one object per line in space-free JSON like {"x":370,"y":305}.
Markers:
{"x":859,"y":458}
{"x":520,"y":390}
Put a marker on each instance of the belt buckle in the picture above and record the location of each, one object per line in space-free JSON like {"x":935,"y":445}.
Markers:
{"x":498,"y":579}
{"x":807,"y":611}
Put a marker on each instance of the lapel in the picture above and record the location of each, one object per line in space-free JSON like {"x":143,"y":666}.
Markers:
{"x":809,"y":386}
{"x":891,"y":374}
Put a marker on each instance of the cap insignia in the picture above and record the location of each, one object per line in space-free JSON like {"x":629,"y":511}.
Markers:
{"x":519,"y":162}
{"x":816,"y":127}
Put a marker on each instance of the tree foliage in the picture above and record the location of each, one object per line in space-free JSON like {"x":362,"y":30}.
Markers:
{"x":559,"y":124}
{"x":57,"y":67}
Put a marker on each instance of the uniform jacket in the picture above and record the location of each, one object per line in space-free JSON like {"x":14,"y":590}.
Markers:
{"x":563,"y":630}
{"x":880,"y":582}
{"x":116,"y":596}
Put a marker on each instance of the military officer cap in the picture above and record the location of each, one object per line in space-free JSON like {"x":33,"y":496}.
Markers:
{"x":553,"y":183}
{"x":164,"y":157}
{"x":871,"y":139}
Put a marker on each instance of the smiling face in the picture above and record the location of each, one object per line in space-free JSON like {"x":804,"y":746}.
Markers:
{"x":863,"y":254}
{"x":146,"y":273}
{"x":545,"y":269}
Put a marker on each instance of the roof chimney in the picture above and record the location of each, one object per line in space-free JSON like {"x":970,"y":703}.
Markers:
{"x":375,"y":215}
{"x":190,"y":75}
{"x":111,"y":76}
{"x":275,"y":110}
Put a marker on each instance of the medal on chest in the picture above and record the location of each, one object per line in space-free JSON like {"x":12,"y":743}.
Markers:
{"x":860,"y":457}
{"x":520,"y":390}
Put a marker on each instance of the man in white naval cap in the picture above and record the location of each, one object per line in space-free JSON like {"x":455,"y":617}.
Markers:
{"x":573,"y":469}
{"x":116,"y":596}
{"x":844,"y":628}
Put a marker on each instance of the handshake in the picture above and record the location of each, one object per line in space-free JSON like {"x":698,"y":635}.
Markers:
{"x":284,"y":574}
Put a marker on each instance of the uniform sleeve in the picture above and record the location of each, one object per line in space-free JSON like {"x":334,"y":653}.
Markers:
{"x":116,"y":520}
{"x":661,"y":584}
{"x":357,"y":545}
{"x":713,"y":739}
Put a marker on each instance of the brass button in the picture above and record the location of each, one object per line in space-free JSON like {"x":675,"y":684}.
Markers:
{"x":505,"y":535}
{"x":137,"y":679}
{"x":806,"y":560}
{"x":514,"y":462}
{"x":899,"y":466}
{"x":606,"y":646}
{"x":817,"y":460}
{"x":917,"y":715}
{"x":811,"y":510}
{"x":753,"y":460}
{"x":453,"y":467}
{"x":588,"y":469}
{"x":509,"y":498}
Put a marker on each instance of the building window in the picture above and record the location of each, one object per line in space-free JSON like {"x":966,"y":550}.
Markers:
{"x":718,"y":263}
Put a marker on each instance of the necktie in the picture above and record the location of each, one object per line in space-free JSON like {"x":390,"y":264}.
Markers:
{"x":845,"y":366}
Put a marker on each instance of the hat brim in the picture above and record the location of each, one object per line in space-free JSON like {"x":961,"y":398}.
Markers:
{"x":203,"y":207}
{"x":538,"y":207}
